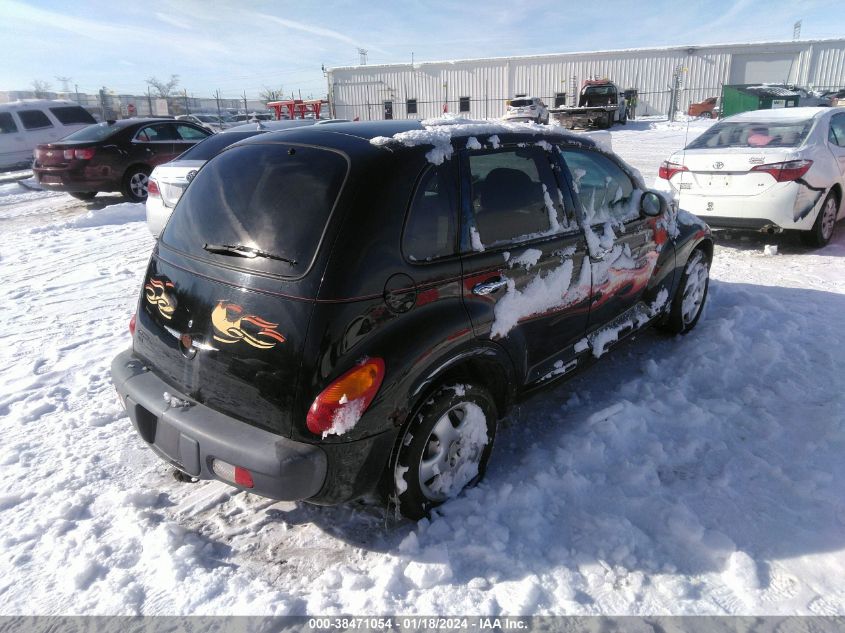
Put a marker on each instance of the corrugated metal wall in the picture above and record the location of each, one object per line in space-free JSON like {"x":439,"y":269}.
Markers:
{"x":362,"y":90}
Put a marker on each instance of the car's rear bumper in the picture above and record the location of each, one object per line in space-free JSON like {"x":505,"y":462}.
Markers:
{"x":59,"y":179}
{"x":190,"y":435}
{"x":790,"y":206}
{"x":157,"y":215}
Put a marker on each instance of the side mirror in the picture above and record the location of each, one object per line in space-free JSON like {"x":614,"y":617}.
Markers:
{"x":652,"y":204}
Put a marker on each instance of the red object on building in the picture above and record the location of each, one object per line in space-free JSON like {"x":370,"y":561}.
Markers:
{"x":131,"y":109}
{"x":298,"y":108}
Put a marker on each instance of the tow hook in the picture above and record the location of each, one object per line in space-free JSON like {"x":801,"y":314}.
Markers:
{"x":183,"y":477}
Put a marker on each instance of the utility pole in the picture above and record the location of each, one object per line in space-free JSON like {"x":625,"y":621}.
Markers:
{"x":76,"y":89}
{"x":185,"y":92}
{"x":150,"y":101}
{"x":217,"y":97}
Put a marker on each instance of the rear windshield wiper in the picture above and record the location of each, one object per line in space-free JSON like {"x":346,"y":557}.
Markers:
{"x":239,"y":250}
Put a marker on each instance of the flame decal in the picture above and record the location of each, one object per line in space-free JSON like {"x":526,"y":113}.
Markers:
{"x":228,"y":321}
{"x":159,"y":293}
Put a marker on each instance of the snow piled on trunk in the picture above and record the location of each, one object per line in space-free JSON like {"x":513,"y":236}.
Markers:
{"x":691,"y":475}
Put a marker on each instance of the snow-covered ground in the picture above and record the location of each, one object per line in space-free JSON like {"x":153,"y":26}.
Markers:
{"x":691,"y":475}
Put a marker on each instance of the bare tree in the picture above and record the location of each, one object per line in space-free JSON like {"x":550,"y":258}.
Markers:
{"x":269,"y":94}
{"x":40,"y":88}
{"x":163,"y":88}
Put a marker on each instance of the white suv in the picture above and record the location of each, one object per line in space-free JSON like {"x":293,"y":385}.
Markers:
{"x":527,"y":109}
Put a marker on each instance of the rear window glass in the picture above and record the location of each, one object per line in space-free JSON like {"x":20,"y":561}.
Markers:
{"x":213,"y":144}
{"x":96,"y":132}
{"x":521,"y":103}
{"x":750,"y":134}
{"x":7,"y":123}
{"x":34,"y":119}
{"x":277,"y":199}
{"x":68,"y":115}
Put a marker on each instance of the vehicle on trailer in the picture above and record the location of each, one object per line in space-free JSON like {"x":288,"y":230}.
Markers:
{"x":706,"y":109}
{"x":600,"y":104}
{"x":26,"y":123}
{"x":766,"y":170}
{"x":338,"y":310}
{"x":523,"y":108}
{"x":168,"y":182}
{"x":113,"y":156}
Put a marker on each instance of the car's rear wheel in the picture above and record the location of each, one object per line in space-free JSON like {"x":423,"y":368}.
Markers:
{"x":444,"y":448}
{"x":688,"y":302}
{"x":135,"y":183}
{"x":822,"y":230}
{"x":83,"y":195}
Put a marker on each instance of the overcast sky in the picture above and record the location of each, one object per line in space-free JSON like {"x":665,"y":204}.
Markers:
{"x":250,"y":44}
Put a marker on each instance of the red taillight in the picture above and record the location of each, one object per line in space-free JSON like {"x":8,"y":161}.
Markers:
{"x":667,"y":170}
{"x":80,"y":154}
{"x":243,"y":477}
{"x":152,"y":188}
{"x":132,"y":326}
{"x":357,"y":388}
{"x":786,"y":172}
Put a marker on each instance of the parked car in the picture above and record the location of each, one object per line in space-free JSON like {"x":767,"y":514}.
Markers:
{"x":113,"y":156}
{"x":25,"y":124}
{"x":211,"y":122}
{"x":705,"y":109}
{"x":333,"y":311}
{"x":527,"y":109}
{"x":765,"y":170}
{"x":167,"y":182}
{"x":835,"y":98}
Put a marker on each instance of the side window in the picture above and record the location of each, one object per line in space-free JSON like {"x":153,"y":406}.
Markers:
{"x":189,"y":133}
{"x":34,"y":119}
{"x":605,"y":191}
{"x":514,"y":197}
{"x":411,"y":105}
{"x":7,"y":123}
{"x":430,"y":230}
{"x":463,"y":104}
{"x":837,"y":130}
{"x":146,"y":134}
{"x":69,"y":115}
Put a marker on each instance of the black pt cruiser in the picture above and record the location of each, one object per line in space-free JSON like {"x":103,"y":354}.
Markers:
{"x":331,"y":312}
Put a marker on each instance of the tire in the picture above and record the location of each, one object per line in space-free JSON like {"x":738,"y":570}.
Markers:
{"x":706,"y":115}
{"x":134,"y":187}
{"x":450,"y":416}
{"x":825,"y":223}
{"x":83,"y":195}
{"x":689,"y":299}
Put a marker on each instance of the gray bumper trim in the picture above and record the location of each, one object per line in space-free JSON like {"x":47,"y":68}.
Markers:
{"x":190,"y":436}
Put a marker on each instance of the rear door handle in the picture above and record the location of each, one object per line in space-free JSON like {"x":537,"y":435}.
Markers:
{"x":489,"y":287}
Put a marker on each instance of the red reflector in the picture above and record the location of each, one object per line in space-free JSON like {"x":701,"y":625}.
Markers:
{"x":132,"y":326}
{"x":357,"y":388}
{"x":667,"y":170}
{"x":152,"y":188}
{"x":786,"y":172}
{"x":243,"y":477}
{"x":84,"y":154}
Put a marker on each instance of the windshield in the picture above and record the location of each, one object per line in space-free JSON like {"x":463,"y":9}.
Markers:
{"x":270,"y":197}
{"x":754,"y":135}
{"x":96,"y":132}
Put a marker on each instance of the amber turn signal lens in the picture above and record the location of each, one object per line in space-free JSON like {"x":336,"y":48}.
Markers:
{"x":360,"y":383}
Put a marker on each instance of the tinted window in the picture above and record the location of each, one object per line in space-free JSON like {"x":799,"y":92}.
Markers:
{"x":188,"y":133}
{"x":521,"y":103}
{"x":276,"y":198}
{"x":212,"y":145}
{"x":161,"y":133}
{"x":513,"y":196}
{"x":430,"y":229}
{"x":69,"y":115}
{"x":34,"y":119}
{"x":750,"y":134}
{"x":605,"y":191}
{"x":837,"y":130}
{"x":96,"y":132}
{"x":600,"y":91}
{"x":7,"y":123}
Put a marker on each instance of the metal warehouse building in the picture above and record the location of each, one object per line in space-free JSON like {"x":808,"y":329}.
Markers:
{"x":480,"y":87}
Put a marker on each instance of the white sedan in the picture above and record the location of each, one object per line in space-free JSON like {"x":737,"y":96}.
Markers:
{"x":766,"y":170}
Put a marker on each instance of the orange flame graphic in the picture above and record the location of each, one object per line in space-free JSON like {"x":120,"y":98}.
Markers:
{"x":227,"y":319}
{"x":157,"y":293}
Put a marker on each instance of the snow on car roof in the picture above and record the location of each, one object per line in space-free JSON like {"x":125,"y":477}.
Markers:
{"x":779,"y":114}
